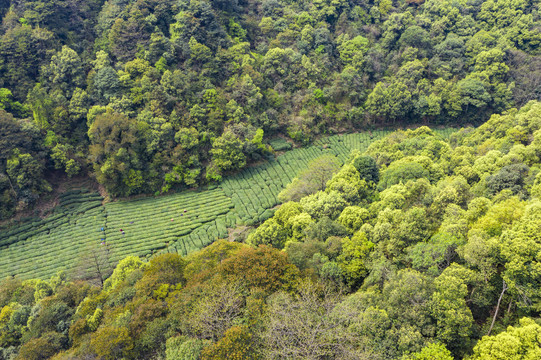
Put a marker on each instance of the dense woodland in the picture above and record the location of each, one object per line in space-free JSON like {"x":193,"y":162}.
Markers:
{"x":150,"y":95}
{"x":416,"y":249}
{"x":419,"y":248}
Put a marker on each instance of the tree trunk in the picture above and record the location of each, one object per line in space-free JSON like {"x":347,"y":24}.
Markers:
{"x":504,"y":288}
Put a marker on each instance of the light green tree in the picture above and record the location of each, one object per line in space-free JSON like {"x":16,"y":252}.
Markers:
{"x":227,"y":152}
{"x":311,"y":180}
{"x":352,"y":260}
{"x":516,"y":343}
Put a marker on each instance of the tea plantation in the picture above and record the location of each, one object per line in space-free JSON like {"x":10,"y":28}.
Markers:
{"x":182,"y":222}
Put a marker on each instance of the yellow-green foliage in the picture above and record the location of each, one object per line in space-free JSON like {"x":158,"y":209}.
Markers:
{"x":112,"y":343}
{"x":236,"y":344}
{"x":5,"y":315}
{"x":516,"y":343}
{"x":94,"y":321}
{"x":181,"y":347}
{"x":122,"y":270}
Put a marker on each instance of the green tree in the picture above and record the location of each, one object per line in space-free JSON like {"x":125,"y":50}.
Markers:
{"x":402,"y":171}
{"x":517,"y":342}
{"x":355,"y":251}
{"x":352,"y":51}
{"x":454,"y":318}
{"x":311,"y":180}
{"x":348,"y":183}
{"x":322,"y":204}
{"x":112,"y":343}
{"x":115,"y":153}
{"x":227,"y":152}
{"x":41,"y":105}
{"x":122,"y":270}
{"x":353,"y":217}
{"x":237,"y":343}
{"x":180,"y":347}
{"x":389,"y":101}
{"x":269,"y":233}
{"x":41,"y":348}
{"x":25,"y":173}
{"x":367,"y":168}
{"x":432,"y":352}
{"x":518,"y":247}
{"x":65,"y":71}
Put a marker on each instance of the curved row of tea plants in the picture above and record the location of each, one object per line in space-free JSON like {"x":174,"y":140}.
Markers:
{"x":182,"y":222}
{"x":39,"y":248}
{"x":140,"y":227}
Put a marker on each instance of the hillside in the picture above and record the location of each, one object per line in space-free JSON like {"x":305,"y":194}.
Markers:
{"x":152,"y":95}
{"x":216,"y":179}
{"x":81,"y":225}
{"x":417,"y":248}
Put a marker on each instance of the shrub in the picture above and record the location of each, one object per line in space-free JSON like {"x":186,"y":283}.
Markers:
{"x":112,"y":343}
{"x":181,"y":347}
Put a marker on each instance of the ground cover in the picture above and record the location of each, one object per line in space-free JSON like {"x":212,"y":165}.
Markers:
{"x":182,"y":222}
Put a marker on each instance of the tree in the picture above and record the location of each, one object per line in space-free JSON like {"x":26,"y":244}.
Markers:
{"x":23,"y":51}
{"x":180,"y":347}
{"x":106,"y":82}
{"x":53,"y":315}
{"x":302,"y":326}
{"x":199,"y":53}
{"x":432,"y":352}
{"x":94,"y":264}
{"x":41,"y":105}
{"x":26,"y":176}
{"x":263,"y":268}
{"x":321,"y":204}
{"x":311,"y":180}
{"x":353,"y":217}
{"x":112,"y":343}
{"x":162,"y":272}
{"x":209,"y":258}
{"x":122,"y":270}
{"x":21,"y":146}
{"x":10,"y":105}
{"x":402,"y":171}
{"x":517,"y":342}
{"x":454,"y":318}
{"x":392,"y":101}
{"x":127,"y":34}
{"x":227,"y":152}
{"x":269,"y":233}
{"x":473,"y":92}
{"x":324,"y":229}
{"x":355,"y":251}
{"x":367,"y":168}
{"x":237,"y":343}
{"x":211,"y":310}
{"x":41,"y":348}
{"x":415,"y":36}
{"x":352,"y":51}
{"x":509,"y":177}
{"x":65,"y":71}
{"x":115,"y":153}
{"x":348,"y":183}
{"x":406,"y":299}
{"x":518,"y":248}
{"x":436,"y":254}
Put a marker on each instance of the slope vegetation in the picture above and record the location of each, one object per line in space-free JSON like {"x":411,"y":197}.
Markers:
{"x":181,"y":222}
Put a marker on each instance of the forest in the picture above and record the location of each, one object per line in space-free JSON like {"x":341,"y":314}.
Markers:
{"x":421,"y":247}
{"x":146,"y":96}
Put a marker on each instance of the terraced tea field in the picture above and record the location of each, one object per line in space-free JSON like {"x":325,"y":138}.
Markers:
{"x":40,"y":248}
{"x":152,"y":224}
{"x":182,"y":222}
